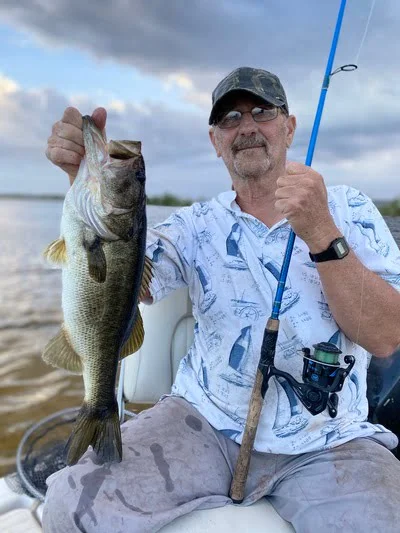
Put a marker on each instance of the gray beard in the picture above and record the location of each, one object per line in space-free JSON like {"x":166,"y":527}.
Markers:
{"x":246,"y":172}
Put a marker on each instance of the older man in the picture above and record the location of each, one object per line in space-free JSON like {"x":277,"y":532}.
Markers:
{"x":321,"y":473}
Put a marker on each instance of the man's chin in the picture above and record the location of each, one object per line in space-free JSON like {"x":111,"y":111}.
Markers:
{"x":251,"y":168}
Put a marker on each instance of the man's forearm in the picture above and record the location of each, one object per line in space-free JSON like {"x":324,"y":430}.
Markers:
{"x":366,"y":308}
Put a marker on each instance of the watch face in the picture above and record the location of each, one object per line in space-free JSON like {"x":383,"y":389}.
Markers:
{"x":340,"y":248}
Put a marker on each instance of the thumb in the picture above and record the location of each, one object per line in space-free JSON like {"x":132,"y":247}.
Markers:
{"x":99,"y":115}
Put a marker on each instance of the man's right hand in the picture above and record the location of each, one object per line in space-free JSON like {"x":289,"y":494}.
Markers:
{"x":65,"y":145}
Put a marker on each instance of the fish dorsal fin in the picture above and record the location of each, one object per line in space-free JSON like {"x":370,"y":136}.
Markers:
{"x":56,"y":252}
{"x":136,"y":337}
{"x":146,"y":278}
{"x":60,"y":353}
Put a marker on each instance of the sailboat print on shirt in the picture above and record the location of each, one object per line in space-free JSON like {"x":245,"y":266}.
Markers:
{"x":289,"y":343}
{"x":224,"y":407}
{"x":290,"y":297}
{"x":157,"y":249}
{"x":238,"y":371}
{"x":289,"y":418}
{"x":235,"y":257}
{"x":208,"y":297}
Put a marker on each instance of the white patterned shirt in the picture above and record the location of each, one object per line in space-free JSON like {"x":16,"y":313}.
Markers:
{"x":231,"y":262}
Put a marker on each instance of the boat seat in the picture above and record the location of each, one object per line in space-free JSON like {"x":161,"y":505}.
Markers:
{"x":19,"y":521}
{"x":149,"y":373}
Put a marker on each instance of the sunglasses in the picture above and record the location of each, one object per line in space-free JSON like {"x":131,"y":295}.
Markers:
{"x":233,"y":118}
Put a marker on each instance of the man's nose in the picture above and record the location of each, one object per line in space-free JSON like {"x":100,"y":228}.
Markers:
{"x":247,"y":124}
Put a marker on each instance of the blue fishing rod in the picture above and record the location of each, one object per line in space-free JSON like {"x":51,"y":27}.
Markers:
{"x":322,"y":375}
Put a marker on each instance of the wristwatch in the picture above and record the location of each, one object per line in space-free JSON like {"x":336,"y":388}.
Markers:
{"x":336,"y":250}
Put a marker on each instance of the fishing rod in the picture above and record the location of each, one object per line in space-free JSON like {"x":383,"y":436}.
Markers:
{"x":322,"y":374}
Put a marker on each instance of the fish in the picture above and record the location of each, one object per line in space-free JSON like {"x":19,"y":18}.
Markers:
{"x":101,"y":250}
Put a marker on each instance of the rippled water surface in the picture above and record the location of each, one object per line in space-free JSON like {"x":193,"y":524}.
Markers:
{"x":30,"y":314}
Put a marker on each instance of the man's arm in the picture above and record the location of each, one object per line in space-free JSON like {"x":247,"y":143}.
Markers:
{"x":366,"y":308}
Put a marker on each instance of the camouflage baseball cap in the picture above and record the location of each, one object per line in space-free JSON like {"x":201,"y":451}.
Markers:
{"x":255,"y":81}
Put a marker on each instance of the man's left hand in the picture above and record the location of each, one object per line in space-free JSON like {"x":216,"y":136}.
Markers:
{"x":301,"y":197}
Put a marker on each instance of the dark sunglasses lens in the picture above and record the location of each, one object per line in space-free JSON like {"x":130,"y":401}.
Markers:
{"x":261,"y":114}
{"x":230,"y":120}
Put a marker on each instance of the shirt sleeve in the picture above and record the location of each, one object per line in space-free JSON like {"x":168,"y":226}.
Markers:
{"x":171,"y":247}
{"x":371,"y":239}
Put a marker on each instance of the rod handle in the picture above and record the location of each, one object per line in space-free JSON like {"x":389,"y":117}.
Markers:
{"x":249,"y":435}
{"x":253,"y":416}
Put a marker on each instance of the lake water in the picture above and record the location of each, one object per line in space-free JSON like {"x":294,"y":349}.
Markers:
{"x":30,"y":314}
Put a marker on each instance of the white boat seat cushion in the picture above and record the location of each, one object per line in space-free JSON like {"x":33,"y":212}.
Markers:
{"x":168,"y":326}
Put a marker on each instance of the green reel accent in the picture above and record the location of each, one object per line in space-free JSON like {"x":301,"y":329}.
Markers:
{"x":326,"y":352}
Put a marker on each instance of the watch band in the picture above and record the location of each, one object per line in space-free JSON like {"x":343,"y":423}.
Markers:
{"x":337,"y":249}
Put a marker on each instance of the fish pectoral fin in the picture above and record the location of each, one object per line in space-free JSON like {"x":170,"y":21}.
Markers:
{"x":146,"y":278}
{"x":136,"y":337}
{"x":60,"y":353}
{"x":56,"y":252}
{"x":96,"y":259}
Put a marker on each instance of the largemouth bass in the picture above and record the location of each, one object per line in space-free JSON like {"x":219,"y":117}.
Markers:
{"x":102,"y":253}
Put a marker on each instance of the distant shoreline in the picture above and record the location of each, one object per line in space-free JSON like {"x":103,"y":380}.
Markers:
{"x":165,"y":199}
{"x":386,"y":207}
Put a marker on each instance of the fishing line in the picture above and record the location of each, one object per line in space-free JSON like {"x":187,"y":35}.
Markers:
{"x":365,"y":32}
{"x":356,"y":62}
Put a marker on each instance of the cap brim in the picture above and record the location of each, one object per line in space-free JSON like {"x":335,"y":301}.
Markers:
{"x":265,"y":98}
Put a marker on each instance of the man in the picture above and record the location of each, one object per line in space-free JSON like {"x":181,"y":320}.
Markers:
{"x":321,"y":473}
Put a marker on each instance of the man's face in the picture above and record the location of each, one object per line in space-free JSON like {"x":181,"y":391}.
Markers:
{"x":253,"y":149}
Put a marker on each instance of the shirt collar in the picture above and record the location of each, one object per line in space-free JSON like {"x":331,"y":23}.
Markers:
{"x":228,"y":200}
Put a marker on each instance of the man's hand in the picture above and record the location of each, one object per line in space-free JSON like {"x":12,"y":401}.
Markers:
{"x":302,"y":198}
{"x":65,"y":145}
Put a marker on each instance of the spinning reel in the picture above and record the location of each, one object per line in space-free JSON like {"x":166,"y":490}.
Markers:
{"x":322,"y":375}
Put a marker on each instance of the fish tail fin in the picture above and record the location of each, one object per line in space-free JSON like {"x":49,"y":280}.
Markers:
{"x":99,"y":428}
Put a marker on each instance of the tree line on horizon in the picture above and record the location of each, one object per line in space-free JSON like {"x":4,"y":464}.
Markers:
{"x":386,"y":208}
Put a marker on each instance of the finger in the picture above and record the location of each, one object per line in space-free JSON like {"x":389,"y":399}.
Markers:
{"x":294,"y":167}
{"x":286,"y":192}
{"x":287,"y":181}
{"x":66,"y":144}
{"x":72,"y":116}
{"x":68,"y":132}
{"x":281,"y":206}
{"x":62,"y":157}
{"x":99,"y":116}
{"x":71,"y":170}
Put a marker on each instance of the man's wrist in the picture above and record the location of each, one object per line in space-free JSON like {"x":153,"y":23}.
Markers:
{"x":320,"y":242}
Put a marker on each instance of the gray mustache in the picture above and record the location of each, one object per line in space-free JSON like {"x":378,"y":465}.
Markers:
{"x":248,"y":142}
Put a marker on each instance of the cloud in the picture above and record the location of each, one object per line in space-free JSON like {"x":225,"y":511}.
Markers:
{"x":188,"y":47}
{"x":206,"y":39}
{"x":179,"y":157}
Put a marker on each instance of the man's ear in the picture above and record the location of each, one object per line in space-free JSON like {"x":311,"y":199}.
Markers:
{"x":211,"y":133}
{"x":291,"y":128}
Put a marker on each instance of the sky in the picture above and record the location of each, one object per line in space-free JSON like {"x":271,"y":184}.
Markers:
{"x":154,"y":63}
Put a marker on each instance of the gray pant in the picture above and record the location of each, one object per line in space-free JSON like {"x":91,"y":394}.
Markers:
{"x":175,"y":462}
